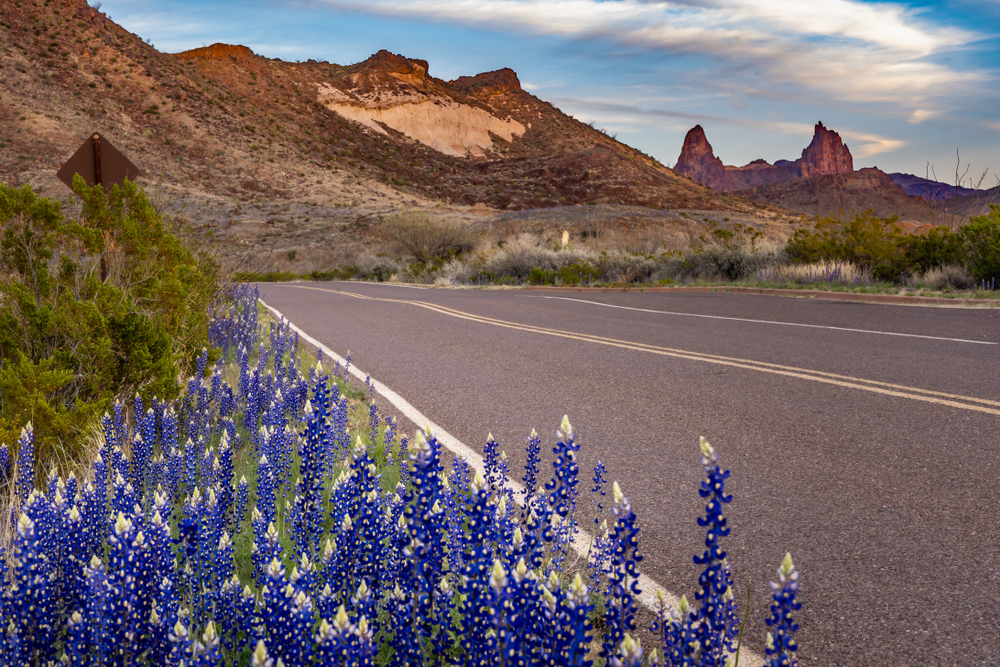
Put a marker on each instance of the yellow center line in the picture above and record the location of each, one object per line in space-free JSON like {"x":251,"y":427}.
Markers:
{"x":874,"y":386}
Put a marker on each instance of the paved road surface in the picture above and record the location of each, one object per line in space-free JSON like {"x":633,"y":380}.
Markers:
{"x":867,"y":443}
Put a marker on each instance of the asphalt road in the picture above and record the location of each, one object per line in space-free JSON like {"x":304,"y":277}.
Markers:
{"x":871,"y":456}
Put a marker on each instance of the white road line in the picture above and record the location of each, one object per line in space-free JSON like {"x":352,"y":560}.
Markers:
{"x":295,"y":284}
{"x":742,"y":319}
{"x":582,"y":542}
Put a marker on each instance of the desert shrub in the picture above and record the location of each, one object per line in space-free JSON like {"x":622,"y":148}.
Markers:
{"x":106,"y":306}
{"x":724,"y":255}
{"x":949,"y":276}
{"x":980,"y":245}
{"x":936,"y":248}
{"x":877,"y":245}
{"x":378,"y":268}
{"x":341,"y":273}
{"x":624,"y":267}
{"x":428,"y":240}
{"x":518,"y":257}
{"x":867,"y":241}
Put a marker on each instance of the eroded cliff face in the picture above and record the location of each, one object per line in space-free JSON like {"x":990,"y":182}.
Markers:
{"x":826,"y":154}
{"x":698,"y":161}
{"x":396,"y":92}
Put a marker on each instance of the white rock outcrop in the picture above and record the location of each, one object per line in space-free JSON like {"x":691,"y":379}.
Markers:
{"x":440,"y":123}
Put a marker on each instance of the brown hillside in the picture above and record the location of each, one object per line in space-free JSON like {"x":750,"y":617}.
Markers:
{"x":241,"y":125}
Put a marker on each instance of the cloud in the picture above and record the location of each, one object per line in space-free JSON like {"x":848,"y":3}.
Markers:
{"x":994,"y":126}
{"x":920,"y":115}
{"x":872,"y":144}
{"x":843,"y":50}
{"x":864,"y":143}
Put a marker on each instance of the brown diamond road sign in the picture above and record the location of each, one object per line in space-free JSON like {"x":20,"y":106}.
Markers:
{"x":99,"y":163}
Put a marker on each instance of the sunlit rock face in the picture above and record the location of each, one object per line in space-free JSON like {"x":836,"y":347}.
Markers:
{"x":826,"y":154}
{"x":390,"y":91}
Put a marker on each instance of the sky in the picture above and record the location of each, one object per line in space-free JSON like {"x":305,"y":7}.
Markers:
{"x":906,"y":83}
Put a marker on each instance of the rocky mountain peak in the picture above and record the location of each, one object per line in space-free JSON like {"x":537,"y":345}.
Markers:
{"x":698,"y":161}
{"x":217,"y":51}
{"x":490,"y":83}
{"x":396,"y":64}
{"x":826,"y":154}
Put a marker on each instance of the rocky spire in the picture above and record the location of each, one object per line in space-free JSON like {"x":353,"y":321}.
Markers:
{"x":699,"y":162}
{"x":826,"y":154}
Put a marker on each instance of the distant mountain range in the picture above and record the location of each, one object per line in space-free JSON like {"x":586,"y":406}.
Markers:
{"x":823,"y":182}
{"x":928,"y":189}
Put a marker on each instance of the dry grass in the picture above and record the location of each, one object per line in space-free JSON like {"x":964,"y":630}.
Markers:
{"x":955,"y":277}
{"x":832,"y":272}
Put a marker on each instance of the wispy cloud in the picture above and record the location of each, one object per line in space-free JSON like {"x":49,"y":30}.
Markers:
{"x":843,"y":50}
{"x":871,"y":144}
{"x":863,"y":144}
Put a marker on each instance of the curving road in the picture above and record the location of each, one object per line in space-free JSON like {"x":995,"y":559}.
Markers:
{"x":864,"y":439}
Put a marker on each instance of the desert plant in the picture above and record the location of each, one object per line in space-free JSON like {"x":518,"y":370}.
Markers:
{"x":428,"y":240}
{"x":949,"y":277}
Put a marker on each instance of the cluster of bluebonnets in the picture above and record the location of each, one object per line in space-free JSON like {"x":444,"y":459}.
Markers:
{"x":339,"y":549}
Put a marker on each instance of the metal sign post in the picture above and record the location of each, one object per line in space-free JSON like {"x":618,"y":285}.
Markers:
{"x":99,"y":163}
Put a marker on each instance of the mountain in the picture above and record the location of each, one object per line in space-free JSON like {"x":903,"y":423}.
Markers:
{"x":825,"y":154}
{"x":224,"y":122}
{"x":928,"y":189}
{"x":831,"y":194}
{"x":977,"y":203}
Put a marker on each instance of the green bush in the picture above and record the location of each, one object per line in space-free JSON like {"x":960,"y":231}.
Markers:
{"x":980,"y":245}
{"x":91,"y":310}
{"x":867,"y":241}
{"x":878,"y":245}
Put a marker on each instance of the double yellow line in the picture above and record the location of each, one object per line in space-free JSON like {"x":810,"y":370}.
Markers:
{"x":884,"y":388}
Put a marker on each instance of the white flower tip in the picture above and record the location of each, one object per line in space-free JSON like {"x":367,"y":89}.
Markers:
{"x":565,"y":428}
{"x":616,"y":491}
{"x":706,"y":448}
{"x":478,"y":482}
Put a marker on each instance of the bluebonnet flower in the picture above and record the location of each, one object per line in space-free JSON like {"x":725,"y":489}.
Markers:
{"x":32,"y":605}
{"x":629,"y":653}
{"x":576,"y":628}
{"x":622,"y":567}
{"x":77,"y":649}
{"x":25,"y":481}
{"x":781,"y":646}
{"x":716,"y":617}
{"x":475,"y":589}
{"x":260,"y":657}
{"x":205,"y":652}
{"x":4,"y":463}
{"x":242,"y":495}
{"x":562,"y":491}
